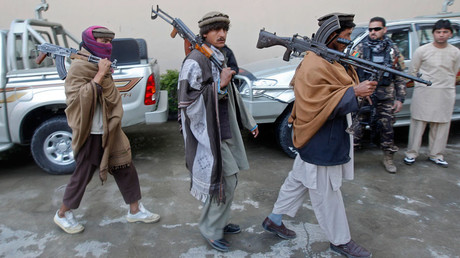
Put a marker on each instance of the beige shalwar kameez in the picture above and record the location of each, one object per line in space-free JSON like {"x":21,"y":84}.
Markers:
{"x":433,"y":104}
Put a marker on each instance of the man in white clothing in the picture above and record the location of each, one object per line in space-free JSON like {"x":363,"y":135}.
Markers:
{"x":438,"y":62}
{"x":326,"y":93}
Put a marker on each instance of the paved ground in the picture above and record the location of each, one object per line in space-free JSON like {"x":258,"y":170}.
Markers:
{"x":414,"y":213}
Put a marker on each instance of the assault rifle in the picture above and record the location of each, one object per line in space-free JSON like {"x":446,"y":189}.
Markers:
{"x":299,"y":44}
{"x":191,"y":40}
{"x":60,"y":53}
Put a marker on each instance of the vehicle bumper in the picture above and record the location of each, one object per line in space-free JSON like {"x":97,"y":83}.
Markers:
{"x":161,"y":114}
{"x":5,"y":146}
{"x":264,"y":110}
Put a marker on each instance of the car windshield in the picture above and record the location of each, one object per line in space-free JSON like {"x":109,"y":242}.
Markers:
{"x":357,"y":31}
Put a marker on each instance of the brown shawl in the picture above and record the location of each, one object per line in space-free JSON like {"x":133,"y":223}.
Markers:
{"x":82,"y":97}
{"x":318,"y":86}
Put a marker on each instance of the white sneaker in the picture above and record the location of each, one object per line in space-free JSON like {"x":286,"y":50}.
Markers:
{"x":409,"y":161}
{"x":439,"y":162}
{"x":142,"y":216}
{"x":68,"y":223}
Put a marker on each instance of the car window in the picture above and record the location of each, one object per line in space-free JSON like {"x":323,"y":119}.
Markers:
{"x":425,"y":35}
{"x":31,"y":54}
{"x":400,"y":36}
{"x":357,"y":31}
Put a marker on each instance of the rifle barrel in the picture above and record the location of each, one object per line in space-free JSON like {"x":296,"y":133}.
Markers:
{"x":162,"y":15}
{"x":356,"y":61}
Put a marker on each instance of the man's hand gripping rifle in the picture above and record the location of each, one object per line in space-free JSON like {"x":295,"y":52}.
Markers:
{"x":189,"y":37}
{"x":60,"y":53}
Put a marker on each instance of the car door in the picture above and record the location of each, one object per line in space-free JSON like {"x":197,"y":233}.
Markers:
{"x":4,"y":133}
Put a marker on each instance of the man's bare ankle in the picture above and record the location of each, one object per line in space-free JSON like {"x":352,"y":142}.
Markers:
{"x":61,"y":213}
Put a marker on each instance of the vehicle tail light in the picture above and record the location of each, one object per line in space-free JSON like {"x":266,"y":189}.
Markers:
{"x":150,"y":90}
{"x":410,"y":84}
{"x":457,"y":80}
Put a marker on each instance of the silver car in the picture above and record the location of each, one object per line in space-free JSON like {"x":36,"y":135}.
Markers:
{"x":265,"y":89}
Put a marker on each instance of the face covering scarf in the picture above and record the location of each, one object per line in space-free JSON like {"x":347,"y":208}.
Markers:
{"x":95,"y":48}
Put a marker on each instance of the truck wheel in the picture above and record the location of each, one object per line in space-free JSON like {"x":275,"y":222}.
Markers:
{"x":51,"y":146}
{"x":284,"y":133}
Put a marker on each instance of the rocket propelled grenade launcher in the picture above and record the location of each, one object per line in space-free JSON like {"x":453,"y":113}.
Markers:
{"x":60,"y":53}
{"x":298,"y":45}
{"x":192,"y":41}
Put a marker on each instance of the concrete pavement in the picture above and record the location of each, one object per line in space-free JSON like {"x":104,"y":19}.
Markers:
{"x":413,"y":213}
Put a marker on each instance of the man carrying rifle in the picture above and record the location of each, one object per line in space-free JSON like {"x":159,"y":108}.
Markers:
{"x":210,"y":111}
{"x":389,"y":95}
{"x":94,"y":112}
{"x":326,"y":93}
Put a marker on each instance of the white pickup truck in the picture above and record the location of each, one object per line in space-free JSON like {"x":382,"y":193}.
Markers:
{"x":32,"y":99}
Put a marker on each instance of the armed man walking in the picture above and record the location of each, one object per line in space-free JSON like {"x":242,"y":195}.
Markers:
{"x":94,"y":112}
{"x":326,"y":93}
{"x":389,"y":95}
{"x":210,"y":111}
{"x":439,"y":62}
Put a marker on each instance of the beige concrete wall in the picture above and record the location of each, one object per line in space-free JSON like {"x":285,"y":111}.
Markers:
{"x":131,"y":18}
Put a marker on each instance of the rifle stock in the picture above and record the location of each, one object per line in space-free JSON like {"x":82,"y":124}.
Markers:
{"x":267,"y":39}
{"x":207,"y":51}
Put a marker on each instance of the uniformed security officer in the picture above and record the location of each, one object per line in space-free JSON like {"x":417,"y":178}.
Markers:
{"x":391,"y":90}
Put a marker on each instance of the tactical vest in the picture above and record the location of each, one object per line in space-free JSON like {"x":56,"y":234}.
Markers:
{"x":383,"y":58}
